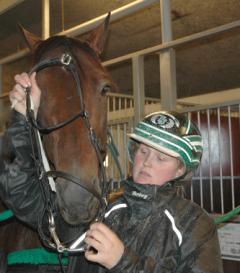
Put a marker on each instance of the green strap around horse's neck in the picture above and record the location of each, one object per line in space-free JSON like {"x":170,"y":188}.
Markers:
{"x":6,"y":215}
{"x":35,"y":256}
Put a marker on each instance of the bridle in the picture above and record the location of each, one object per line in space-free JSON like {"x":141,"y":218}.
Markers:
{"x":67,"y":61}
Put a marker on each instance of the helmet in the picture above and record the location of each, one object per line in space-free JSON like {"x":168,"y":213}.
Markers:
{"x":171,"y":133}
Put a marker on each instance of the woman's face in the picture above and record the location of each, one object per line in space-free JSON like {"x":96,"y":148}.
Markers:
{"x":154,"y":167}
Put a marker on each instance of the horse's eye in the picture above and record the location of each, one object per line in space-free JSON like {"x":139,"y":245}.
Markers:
{"x":106,"y":88}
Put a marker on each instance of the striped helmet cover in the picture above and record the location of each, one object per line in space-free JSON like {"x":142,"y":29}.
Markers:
{"x":171,"y":133}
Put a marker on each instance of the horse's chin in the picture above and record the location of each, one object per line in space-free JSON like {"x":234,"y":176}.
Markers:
{"x":78,"y":219}
{"x":77,"y":213}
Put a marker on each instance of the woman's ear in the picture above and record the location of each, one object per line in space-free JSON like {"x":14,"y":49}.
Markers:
{"x":181,"y":170}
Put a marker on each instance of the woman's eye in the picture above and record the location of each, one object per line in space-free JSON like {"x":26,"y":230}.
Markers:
{"x":162,"y":158}
{"x":143,"y":151}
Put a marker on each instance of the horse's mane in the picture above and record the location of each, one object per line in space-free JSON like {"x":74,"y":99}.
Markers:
{"x":61,"y":40}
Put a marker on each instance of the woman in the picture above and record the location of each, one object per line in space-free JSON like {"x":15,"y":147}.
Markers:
{"x":151,"y":228}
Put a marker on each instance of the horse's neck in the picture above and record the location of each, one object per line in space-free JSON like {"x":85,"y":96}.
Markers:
{"x":114,"y":195}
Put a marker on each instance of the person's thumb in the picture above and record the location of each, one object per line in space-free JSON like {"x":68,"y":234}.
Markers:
{"x":35,"y":91}
{"x":34,"y":82}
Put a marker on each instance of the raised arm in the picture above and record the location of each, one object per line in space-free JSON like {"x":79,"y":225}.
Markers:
{"x":19,"y":184}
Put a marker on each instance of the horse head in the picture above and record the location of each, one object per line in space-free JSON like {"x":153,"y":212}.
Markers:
{"x":71,"y":148}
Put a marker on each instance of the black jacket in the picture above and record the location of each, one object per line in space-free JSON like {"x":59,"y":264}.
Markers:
{"x":162,"y":232}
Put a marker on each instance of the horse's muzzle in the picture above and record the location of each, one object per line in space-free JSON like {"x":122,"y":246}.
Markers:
{"x":77,"y":205}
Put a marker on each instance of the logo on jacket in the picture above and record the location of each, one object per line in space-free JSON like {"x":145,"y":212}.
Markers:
{"x":139,"y":194}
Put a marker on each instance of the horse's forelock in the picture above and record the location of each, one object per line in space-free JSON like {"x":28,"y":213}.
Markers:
{"x":57,"y":41}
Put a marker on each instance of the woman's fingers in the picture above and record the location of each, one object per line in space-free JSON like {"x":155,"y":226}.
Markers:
{"x":18,"y":95}
{"x":101,"y":230}
{"x":109,"y":248}
{"x":23,"y":79}
{"x":95,"y":238}
{"x":93,"y":242}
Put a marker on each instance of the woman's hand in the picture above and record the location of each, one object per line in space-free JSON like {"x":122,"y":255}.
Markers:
{"x":18,"y":95}
{"x":109,"y":248}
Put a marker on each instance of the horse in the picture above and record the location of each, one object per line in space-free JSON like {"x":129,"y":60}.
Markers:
{"x":74,"y":106}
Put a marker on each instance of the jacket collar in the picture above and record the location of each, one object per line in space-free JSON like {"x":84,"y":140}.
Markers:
{"x":143,"y":198}
{"x":148,"y":191}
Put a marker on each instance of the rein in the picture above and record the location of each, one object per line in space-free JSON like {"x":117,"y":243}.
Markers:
{"x":67,"y":61}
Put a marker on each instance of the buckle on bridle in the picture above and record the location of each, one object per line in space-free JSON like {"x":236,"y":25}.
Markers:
{"x":66,"y":59}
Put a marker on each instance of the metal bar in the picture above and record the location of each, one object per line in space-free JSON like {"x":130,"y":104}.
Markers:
{"x":119,"y":103}
{"x":138,"y":87}
{"x":216,"y":177}
{"x":166,"y":21}
{"x":200,"y":168}
{"x":209,"y":106}
{"x":108,"y":103}
{"x":15,"y":56}
{"x":231,"y":155}
{"x":220,"y":158}
{"x":1,"y":78}
{"x":8,"y":4}
{"x":111,"y":163}
{"x":115,"y":15}
{"x":4,"y":95}
{"x":114,"y":103}
{"x":118,"y":143}
{"x":45,"y":19}
{"x":191,"y":185}
{"x":125,"y":157}
{"x":167,"y":60}
{"x":168,"y":80}
{"x":131,"y":103}
{"x":210,"y":158}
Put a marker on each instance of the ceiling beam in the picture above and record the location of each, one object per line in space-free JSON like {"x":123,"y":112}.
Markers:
{"x":115,"y":15}
{"x":5,"y":5}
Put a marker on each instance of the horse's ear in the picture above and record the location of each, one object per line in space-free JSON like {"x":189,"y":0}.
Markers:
{"x":97,"y":37}
{"x":31,"y":39}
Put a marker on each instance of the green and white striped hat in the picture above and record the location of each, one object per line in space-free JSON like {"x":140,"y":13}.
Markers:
{"x":171,"y":133}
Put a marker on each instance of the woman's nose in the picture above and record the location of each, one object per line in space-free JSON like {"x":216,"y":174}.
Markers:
{"x":148,"y":161}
